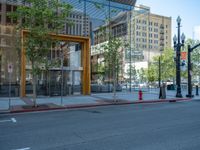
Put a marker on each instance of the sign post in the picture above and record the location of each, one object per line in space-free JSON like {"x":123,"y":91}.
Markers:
{"x":183,"y":61}
{"x":10,"y":70}
{"x":183,"y":55}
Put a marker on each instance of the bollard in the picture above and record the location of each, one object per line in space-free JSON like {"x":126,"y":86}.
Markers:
{"x":163,"y":91}
{"x":140,"y":94}
{"x":160,"y":93}
{"x":197,"y":90}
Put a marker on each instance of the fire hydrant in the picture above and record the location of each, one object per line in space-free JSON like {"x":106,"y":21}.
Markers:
{"x":140,"y":94}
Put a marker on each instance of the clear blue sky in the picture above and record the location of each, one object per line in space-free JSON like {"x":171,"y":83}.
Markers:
{"x":188,"y":10}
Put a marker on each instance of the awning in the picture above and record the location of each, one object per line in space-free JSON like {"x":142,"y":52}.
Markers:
{"x":127,"y":2}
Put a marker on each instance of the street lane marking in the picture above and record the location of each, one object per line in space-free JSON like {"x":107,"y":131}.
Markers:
{"x":26,"y":148}
{"x":12,"y":120}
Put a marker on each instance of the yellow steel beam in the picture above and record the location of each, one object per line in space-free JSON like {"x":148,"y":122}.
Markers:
{"x":85,"y":59}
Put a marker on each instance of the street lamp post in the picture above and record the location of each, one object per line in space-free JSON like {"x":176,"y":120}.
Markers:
{"x":161,"y":50}
{"x":177,"y":46}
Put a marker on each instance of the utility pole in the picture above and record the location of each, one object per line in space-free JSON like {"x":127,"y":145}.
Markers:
{"x":177,"y":47}
{"x":190,"y":49}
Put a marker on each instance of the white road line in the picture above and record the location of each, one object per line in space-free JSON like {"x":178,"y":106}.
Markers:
{"x":26,"y":148}
{"x":4,"y":121}
{"x":12,"y":119}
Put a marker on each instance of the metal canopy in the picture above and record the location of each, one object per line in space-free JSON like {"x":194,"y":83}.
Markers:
{"x":126,"y":2}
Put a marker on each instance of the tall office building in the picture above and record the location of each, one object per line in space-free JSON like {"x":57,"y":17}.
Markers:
{"x":8,"y":52}
{"x":147,"y":33}
{"x":79,"y":26}
{"x":152,"y":33}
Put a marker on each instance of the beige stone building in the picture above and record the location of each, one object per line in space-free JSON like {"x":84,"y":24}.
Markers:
{"x":151,"y":33}
{"x":148,"y":34}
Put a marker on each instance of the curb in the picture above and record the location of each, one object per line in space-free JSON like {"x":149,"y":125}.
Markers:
{"x":77,"y":106}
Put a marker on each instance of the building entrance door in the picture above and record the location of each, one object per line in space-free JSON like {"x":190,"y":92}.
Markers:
{"x":66,"y":83}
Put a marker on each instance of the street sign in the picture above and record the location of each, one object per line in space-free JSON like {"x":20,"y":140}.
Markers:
{"x":183,"y":65}
{"x":183,"y":55}
{"x":10,"y":68}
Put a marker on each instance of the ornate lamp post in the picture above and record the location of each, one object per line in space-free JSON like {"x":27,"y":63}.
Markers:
{"x":177,"y":47}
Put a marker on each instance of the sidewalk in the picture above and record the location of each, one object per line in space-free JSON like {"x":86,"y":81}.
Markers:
{"x":79,"y":101}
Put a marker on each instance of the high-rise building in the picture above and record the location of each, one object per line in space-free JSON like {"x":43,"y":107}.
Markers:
{"x":78,"y":24}
{"x":86,"y":17}
{"x":148,"y":34}
{"x":8,"y":43}
{"x":152,"y":33}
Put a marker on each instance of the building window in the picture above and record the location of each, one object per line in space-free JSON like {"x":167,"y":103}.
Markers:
{"x":155,"y":35}
{"x":0,"y":7}
{"x":144,"y":22}
{"x":8,"y":30}
{"x":8,"y":8}
{"x":14,"y":8}
{"x":8,"y":20}
{"x":150,"y":29}
{"x":155,"y":30}
{"x":156,"y":24}
{"x":155,"y":41}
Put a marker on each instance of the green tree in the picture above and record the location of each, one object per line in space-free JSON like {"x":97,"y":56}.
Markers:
{"x":168,"y":67}
{"x":131,"y":71}
{"x":40,"y":19}
{"x":151,"y":73}
{"x":112,"y":57}
{"x":142,"y":75}
{"x":195,"y":56}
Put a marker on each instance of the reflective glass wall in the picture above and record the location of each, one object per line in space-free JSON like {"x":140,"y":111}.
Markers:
{"x":124,"y":21}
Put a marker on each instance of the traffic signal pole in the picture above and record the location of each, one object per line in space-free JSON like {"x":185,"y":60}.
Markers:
{"x":190,"y":49}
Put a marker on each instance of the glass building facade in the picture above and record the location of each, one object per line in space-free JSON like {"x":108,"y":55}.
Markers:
{"x":121,"y":18}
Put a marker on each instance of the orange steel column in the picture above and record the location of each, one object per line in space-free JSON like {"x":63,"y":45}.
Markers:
{"x":86,"y":67}
{"x":85,"y":59}
{"x":23,"y":67}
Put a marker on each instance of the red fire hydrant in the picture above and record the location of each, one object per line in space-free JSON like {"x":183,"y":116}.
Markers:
{"x":140,"y":94}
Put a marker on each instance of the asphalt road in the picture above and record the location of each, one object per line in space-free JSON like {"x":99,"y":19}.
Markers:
{"x":167,"y":126}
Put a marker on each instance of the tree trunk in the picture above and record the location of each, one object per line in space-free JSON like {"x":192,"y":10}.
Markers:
{"x":34,"y":84}
{"x":114,"y":86}
{"x":34,"y":90}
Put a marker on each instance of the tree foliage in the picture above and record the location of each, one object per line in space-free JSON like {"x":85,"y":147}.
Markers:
{"x":40,"y":19}
{"x":195,"y":56}
{"x":167,"y":66}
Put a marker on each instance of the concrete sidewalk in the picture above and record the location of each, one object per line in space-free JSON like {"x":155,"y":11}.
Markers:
{"x":100,"y":99}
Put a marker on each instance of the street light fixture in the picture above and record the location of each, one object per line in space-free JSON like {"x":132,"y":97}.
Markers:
{"x":177,"y":46}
